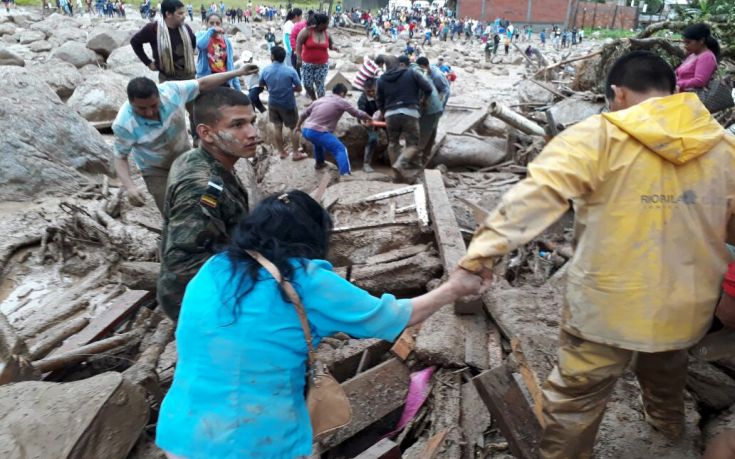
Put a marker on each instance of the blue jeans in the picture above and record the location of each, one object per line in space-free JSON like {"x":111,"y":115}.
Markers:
{"x":328,"y":141}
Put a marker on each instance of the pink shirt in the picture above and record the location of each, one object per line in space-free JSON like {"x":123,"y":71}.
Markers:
{"x":324,"y":114}
{"x":298,"y":27}
{"x":696,"y":71}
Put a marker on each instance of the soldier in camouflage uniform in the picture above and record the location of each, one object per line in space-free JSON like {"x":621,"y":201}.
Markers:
{"x":204,"y":197}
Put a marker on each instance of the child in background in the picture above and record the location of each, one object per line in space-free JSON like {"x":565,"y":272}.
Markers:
{"x":270,"y":38}
{"x":252,"y":82}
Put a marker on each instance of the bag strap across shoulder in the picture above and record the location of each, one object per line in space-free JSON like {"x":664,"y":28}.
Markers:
{"x":293,"y":296}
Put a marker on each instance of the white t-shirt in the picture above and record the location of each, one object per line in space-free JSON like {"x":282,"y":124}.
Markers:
{"x":287,"y":29}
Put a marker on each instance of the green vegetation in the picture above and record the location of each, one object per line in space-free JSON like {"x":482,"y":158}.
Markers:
{"x":608,"y":33}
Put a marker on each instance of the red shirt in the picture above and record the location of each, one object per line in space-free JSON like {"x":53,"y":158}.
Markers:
{"x":313,"y":52}
{"x":298,"y":27}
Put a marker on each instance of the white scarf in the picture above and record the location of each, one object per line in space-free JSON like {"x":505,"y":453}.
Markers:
{"x":165,"y":51}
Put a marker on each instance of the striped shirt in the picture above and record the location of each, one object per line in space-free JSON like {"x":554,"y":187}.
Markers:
{"x":155,"y":144}
{"x":369,"y":69}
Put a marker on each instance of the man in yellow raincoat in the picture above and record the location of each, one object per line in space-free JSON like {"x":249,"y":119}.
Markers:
{"x":653,"y":188}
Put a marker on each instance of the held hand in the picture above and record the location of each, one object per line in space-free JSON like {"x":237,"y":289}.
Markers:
{"x":463,"y":283}
{"x":135,"y":197}
{"x":248,"y":69}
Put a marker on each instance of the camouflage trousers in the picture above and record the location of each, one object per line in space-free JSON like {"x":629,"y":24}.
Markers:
{"x":578,"y":388}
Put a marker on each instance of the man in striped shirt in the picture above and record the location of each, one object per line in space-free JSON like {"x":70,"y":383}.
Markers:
{"x":369,"y":70}
{"x":151,"y":126}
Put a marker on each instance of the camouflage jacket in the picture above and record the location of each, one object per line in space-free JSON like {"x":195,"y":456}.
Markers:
{"x":203,"y":204}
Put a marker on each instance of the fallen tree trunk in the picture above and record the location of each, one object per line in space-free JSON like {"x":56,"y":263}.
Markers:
{"x":81,"y":354}
{"x":470,"y":151}
{"x":43,"y":347}
{"x":512,"y":118}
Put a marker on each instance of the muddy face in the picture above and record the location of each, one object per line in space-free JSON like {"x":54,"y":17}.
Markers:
{"x":235,"y":133}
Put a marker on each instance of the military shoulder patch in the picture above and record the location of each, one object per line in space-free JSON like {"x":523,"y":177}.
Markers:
{"x":211,"y":197}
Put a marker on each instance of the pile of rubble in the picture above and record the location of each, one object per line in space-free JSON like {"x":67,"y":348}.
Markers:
{"x":78,"y":265}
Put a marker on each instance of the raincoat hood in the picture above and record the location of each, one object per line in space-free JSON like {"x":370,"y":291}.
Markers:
{"x":678,"y":128}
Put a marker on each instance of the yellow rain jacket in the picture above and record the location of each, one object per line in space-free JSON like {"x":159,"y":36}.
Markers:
{"x":653,"y":188}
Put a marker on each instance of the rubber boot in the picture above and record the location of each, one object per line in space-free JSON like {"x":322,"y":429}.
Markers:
{"x":368,"y":159}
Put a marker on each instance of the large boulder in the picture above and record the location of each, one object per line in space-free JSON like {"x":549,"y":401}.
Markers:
{"x":30,"y":36}
{"x":573,"y":110}
{"x":106,"y":41}
{"x":7,"y":28}
{"x":21,"y":20}
{"x":61,"y":76}
{"x":76,"y":54}
{"x":41,"y":46}
{"x":45,"y":145}
{"x":56,"y":22}
{"x":64,"y":34}
{"x":125,"y":62}
{"x":470,"y":151}
{"x":99,"y":97}
{"x":9,"y":58}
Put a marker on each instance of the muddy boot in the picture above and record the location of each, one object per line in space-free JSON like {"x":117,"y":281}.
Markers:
{"x":716,"y":346}
{"x":366,"y":167}
{"x":406,"y":171}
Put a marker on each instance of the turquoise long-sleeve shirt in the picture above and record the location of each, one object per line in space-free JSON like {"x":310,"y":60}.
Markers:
{"x":203,"y":37}
{"x":238,"y":388}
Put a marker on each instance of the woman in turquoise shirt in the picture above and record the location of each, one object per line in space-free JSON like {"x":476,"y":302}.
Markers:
{"x":215,"y":51}
{"x":238,"y":389}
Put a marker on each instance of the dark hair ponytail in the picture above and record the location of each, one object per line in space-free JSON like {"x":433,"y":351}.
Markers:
{"x":702,"y":31}
{"x":282,"y":227}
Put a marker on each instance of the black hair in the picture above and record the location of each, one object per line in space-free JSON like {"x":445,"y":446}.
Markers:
{"x":296,"y":12}
{"x":206,"y":19}
{"x":422,"y":61}
{"x":278,"y":53}
{"x":170,"y":6}
{"x":380,"y":60}
{"x":142,"y":88}
{"x":339,"y":89}
{"x":281,"y":228}
{"x":321,"y":19}
{"x":703,"y":32}
{"x":404,"y":60}
{"x":369,"y":83}
{"x":640,"y":71}
{"x":208,"y":104}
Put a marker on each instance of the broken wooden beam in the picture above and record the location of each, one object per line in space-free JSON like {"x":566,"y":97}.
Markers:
{"x":384,"y":449}
{"x":515,"y":120}
{"x":432,"y":447}
{"x":373,"y":395}
{"x":474,"y":421}
{"x":446,"y":413}
{"x":106,"y":322}
{"x":14,"y":362}
{"x":530,"y":378}
{"x":508,"y":406}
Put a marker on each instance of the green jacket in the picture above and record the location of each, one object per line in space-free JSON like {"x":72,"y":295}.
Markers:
{"x":203,"y":204}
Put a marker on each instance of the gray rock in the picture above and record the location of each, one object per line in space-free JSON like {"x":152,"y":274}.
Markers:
{"x":573,"y":110}
{"x":54,"y":23}
{"x":48,"y":146}
{"x":105,"y":42}
{"x":61,"y":76}
{"x":76,"y":54}
{"x":65,"y":34}
{"x":21,"y":20}
{"x":41,"y":46}
{"x":29,"y":36}
{"x":9,"y":58}
{"x":7,"y":28}
{"x":99,"y":97}
{"x":530,"y":92}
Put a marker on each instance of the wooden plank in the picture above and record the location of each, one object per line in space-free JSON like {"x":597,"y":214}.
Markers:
{"x":432,"y":448}
{"x":475,"y":344}
{"x":474,"y":422}
{"x":373,"y":395}
{"x":509,"y":407}
{"x":384,"y":449}
{"x":446,"y":229}
{"x":390,"y":194}
{"x":494,"y":347}
{"x":106,"y":322}
{"x":529,"y":378}
{"x":404,"y":345}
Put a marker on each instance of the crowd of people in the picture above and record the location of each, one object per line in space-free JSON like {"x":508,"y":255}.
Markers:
{"x":649,"y":180}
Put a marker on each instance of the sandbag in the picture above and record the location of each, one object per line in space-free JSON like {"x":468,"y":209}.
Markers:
{"x":98,"y":417}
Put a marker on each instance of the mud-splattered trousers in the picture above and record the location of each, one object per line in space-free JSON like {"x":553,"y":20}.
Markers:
{"x":578,"y":388}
